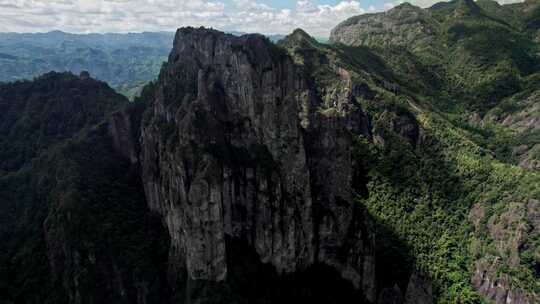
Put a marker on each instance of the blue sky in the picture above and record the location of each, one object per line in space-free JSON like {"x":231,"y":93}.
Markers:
{"x":317,"y":17}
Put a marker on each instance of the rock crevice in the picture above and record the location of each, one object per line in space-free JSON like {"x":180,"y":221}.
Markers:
{"x":236,"y":147}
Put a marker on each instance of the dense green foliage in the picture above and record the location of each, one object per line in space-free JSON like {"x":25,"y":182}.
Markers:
{"x":425,"y":193}
{"x":69,"y":203}
{"x":31,"y":113}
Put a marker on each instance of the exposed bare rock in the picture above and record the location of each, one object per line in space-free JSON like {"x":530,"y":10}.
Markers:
{"x":122,"y":132}
{"x":526,"y":119}
{"x":390,"y":296}
{"x":419,"y":289}
{"x":509,"y":233}
{"x":237,"y":149}
{"x":498,"y":288}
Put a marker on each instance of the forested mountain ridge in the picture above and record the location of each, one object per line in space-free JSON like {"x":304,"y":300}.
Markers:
{"x":72,"y":211}
{"x":483,"y":65}
{"x":369,"y":170}
{"x":475,"y":65}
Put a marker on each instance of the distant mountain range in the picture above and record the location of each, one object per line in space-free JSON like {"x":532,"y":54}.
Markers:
{"x":125,"y":61}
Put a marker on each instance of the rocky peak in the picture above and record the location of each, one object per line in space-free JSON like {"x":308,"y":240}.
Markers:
{"x":455,"y":9}
{"x":466,"y":8}
{"x":85,"y":75}
{"x":299,"y":36}
{"x":236,"y":150}
{"x":405,"y":7}
{"x":213,"y":45}
{"x":301,"y":42}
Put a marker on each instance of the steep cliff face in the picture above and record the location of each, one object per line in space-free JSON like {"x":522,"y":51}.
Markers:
{"x":236,"y":149}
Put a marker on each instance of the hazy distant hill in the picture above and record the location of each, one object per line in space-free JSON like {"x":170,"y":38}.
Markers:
{"x":123,"y":60}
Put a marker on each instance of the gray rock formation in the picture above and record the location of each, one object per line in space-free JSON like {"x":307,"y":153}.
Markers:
{"x":511,"y":232}
{"x":122,"y":131}
{"x":419,"y":289}
{"x":236,"y":148}
{"x":497,"y":288}
{"x":524,"y":120}
{"x":390,"y":296}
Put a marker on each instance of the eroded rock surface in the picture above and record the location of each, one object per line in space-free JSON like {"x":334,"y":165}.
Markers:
{"x":419,"y":289}
{"x":237,"y":148}
{"x":510,"y":233}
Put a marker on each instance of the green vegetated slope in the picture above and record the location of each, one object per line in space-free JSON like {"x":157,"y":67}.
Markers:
{"x":478,"y":60}
{"x":71,"y":206}
{"x":465,"y":197}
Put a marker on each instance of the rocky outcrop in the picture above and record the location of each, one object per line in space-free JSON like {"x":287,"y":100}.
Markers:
{"x":236,"y":148}
{"x":390,"y":296}
{"x":498,"y":288}
{"x":122,"y":133}
{"x":419,"y":289}
{"x":522,"y":116}
{"x":527,"y":116}
{"x":511,"y":233}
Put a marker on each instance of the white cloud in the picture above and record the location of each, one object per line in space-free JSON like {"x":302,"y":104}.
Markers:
{"x":322,"y":18}
{"x":389,"y":5}
{"x":166,"y":15}
{"x":509,"y":1}
{"x":107,"y":15}
{"x":428,"y":3}
{"x":251,"y":5}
